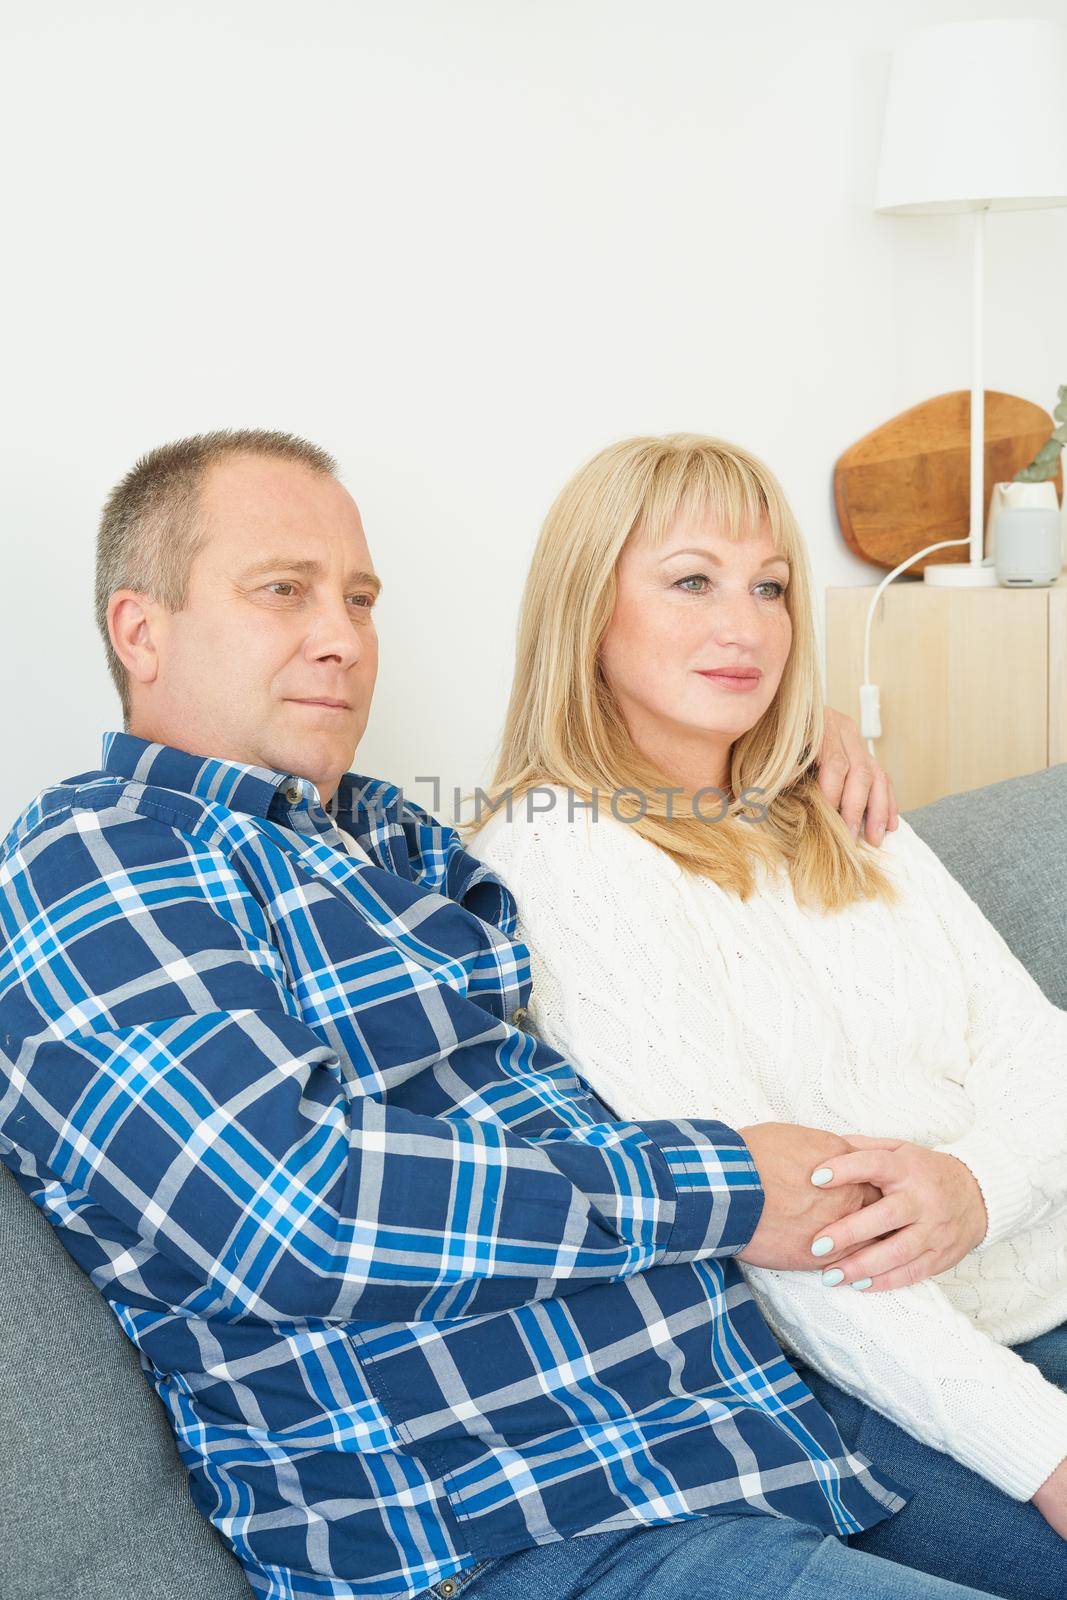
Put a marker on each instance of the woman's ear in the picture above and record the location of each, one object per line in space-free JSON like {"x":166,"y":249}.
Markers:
{"x":132,"y":623}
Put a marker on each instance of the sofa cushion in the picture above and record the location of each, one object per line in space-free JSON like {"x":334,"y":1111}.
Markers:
{"x":94,"y":1500}
{"x":1007,"y":845}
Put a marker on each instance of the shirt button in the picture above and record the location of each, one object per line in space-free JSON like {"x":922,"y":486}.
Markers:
{"x":292,"y":794}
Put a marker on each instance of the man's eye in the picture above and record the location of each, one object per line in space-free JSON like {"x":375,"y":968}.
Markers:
{"x":365,"y":601}
{"x":694,"y":577}
{"x":282,"y":584}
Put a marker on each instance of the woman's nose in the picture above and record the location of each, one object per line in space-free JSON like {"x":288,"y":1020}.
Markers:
{"x":736,"y":619}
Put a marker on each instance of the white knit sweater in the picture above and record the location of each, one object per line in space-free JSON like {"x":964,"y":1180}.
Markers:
{"x":676,"y":999}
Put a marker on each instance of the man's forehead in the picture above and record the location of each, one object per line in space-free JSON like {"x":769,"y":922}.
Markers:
{"x":272,"y":484}
{"x":263,"y":505}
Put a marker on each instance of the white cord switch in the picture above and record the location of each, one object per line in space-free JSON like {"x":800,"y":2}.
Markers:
{"x":870,"y":711}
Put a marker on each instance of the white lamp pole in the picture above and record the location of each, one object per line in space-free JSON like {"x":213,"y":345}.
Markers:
{"x":977,"y":549}
{"x":976,"y":120}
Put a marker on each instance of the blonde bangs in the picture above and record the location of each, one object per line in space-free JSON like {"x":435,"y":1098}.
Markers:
{"x":698,"y":480}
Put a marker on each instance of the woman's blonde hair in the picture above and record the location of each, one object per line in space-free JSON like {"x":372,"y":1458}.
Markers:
{"x":563,"y":726}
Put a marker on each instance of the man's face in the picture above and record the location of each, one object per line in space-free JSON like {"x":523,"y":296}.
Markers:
{"x":273,"y":659}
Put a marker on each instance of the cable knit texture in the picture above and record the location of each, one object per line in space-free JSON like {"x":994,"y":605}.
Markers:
{"x":914,"y":1021}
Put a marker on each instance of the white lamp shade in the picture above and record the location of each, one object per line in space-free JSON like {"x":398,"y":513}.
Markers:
{"x":976,"y":119}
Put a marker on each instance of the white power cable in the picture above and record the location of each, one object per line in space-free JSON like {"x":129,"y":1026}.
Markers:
{"x":870,"y":708}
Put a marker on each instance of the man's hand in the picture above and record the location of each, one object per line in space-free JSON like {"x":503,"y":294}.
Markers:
{"x":852,"y":780}
{"x":1051,"y":1500}
{"x":795,"y":1211}
{"x":930,"y":1216}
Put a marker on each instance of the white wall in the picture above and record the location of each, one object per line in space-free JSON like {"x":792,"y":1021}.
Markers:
{"x":463,"y":245}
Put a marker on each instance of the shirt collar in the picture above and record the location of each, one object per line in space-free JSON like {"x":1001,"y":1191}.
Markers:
{"x":400,"y":837}
{"x":358,"y":803}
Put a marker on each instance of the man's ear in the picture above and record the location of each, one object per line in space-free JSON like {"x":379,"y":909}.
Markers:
{"x":133,"y":622}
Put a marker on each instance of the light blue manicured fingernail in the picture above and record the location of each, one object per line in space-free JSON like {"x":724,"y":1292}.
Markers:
{"x":823,"y":1175}
{"x":822,"y":1247}
{"x":863,"y":1283}
{"x":832,"y":1277}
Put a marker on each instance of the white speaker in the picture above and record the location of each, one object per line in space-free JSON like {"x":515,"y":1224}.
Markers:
{"x":1028,"y":546}
{"x":1023,"y":534}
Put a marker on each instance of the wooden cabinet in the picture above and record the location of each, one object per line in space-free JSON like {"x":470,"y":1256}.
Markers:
{"x":973,"y":682}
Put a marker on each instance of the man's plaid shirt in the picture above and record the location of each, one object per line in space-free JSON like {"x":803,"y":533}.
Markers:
{"x":411,"y":1295}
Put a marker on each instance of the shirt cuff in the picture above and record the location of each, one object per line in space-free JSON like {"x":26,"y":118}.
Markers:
{"x":1001,"y":1178}
{"x":719,"y":1195}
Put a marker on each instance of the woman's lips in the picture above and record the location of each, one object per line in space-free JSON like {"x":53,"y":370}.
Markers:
{"x":738,"y":680}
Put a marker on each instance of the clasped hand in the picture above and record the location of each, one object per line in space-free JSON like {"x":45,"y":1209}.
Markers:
{"x":930,"y":1215}
{"x":881,"y":1212}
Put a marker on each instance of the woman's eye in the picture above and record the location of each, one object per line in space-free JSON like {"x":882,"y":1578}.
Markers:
{"x":699,"y":583}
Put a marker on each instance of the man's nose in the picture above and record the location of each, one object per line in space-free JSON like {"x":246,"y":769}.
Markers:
{"x":336,"y":635}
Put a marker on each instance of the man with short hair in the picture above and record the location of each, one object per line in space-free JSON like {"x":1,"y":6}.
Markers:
{"x":423,"y":1312}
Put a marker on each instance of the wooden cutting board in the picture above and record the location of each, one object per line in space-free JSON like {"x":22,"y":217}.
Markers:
{"x":908,"y":483}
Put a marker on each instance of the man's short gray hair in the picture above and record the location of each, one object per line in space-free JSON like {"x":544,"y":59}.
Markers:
{"x":151,"y":530}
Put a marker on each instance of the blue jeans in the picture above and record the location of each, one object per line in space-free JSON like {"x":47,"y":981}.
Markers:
{"x":753,"y":1557}
{"x":956,"y":1524}
{"x":958,"y":1538}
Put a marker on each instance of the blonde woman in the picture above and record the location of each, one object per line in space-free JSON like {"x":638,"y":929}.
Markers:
{"x":710,"y":939}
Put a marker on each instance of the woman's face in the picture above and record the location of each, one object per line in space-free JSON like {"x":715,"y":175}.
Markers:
{"x":697,"y":644}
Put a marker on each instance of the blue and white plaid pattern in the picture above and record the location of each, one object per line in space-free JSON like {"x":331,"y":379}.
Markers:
{"x":412,"y":1297}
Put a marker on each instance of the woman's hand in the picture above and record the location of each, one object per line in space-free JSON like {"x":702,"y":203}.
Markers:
{"x":852,"y":780}
{"x":930,"y":1216}
{"x":1051,"y":1500}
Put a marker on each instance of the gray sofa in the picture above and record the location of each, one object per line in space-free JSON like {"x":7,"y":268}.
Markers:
{"x":94,"y":1502}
